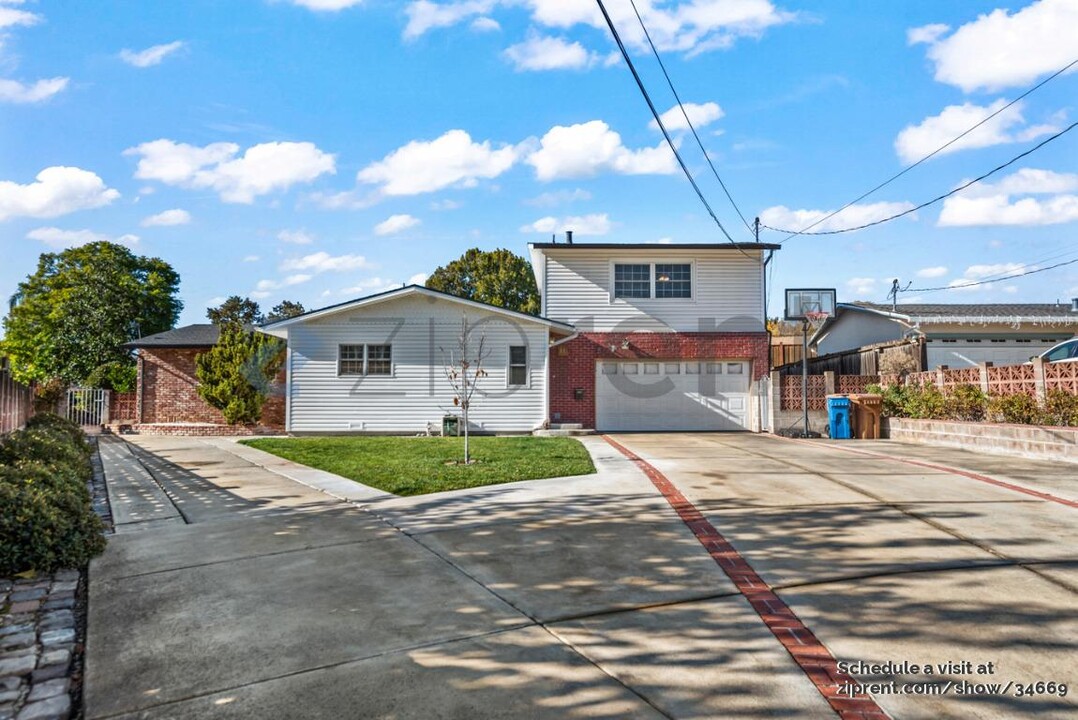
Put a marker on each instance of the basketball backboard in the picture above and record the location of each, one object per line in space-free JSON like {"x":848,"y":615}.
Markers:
{"x":809,"y":303}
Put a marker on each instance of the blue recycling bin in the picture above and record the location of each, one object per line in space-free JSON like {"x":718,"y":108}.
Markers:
{"x":838,"y":417}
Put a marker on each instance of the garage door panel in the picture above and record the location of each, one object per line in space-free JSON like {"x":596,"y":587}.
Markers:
{"x":696,"y":395}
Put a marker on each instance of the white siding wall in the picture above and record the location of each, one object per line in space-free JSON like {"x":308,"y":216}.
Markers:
{"x":417,"y":392}
{"x":727,"y":292}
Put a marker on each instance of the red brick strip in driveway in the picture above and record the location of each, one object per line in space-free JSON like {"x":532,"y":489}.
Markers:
{"x":814,"y":659}
{"x":954,"y":471}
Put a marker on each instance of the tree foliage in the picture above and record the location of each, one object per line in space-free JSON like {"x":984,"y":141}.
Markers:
{"x":81,"y":305}
{"x":284,"y":310}
{"x":235,"y":309}
{"x":496,"y":277}
{"x":235,"y":375}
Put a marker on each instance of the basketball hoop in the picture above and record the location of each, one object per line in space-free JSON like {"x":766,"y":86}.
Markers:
{"x":815,"y":317}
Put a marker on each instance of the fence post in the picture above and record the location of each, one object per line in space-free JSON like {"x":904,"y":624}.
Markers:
{"x":776,"y":390}
{"x":1039,"y":384}
{"x":984,"y":376}
{"x":941,"y":378}
{"x":829,"y":385}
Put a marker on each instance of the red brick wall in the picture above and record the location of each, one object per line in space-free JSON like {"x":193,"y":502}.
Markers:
{"x":572,"y":364}
{"x":169,"y":390}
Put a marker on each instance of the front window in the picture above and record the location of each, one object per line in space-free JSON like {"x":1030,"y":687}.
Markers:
{"x":518,"y":364}
{"x":673,"y":281}
{"x":632,"y":281}
{"x":365,"y":360}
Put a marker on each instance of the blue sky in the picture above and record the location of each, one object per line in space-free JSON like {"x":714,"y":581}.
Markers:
{"x":318,"y":150}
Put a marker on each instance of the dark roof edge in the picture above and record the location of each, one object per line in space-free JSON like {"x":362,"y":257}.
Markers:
{"x":657,"y":246}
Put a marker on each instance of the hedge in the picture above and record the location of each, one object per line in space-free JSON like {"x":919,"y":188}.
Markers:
{"x":968,"y":402}
{"x":47,"y":521}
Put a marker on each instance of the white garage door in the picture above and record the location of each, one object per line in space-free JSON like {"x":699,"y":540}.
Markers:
{"x":698,"y":395}
{"x":963,"y":352}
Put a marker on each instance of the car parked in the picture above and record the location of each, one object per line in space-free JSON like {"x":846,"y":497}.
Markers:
{"x":1066,"y":351}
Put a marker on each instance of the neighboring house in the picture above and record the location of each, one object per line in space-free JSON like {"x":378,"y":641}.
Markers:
{"x":167,"y":400}
{"x":630,"y":337}
{"x":378,"y":364}
{"x":956,"y":335}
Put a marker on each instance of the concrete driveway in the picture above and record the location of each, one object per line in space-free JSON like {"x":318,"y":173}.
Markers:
{"x":582,"y":597}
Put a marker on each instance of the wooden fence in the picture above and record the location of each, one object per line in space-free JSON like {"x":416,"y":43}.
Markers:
{"x":859,"y":361}
{"x":16,"y":403}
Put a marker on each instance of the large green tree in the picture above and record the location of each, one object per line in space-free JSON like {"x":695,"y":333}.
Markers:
{"x":497,"y":277}
{"x":81,"y":305}
{"x":242,"y":310}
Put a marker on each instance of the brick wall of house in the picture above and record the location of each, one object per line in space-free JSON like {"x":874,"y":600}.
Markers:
{"x":168,"y":388}
{"x":572,"y":364}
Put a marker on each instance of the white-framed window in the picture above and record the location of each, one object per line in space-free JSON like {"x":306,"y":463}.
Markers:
{"x":735,"y":369}
{"x":632,"y":280}
{"x":518,"y":365}
{"x":692,"y":368}
{"x":349,"y":359}
{"x":630,"y":369}
{"x":673,"y":368}
{"x":659,"y":280}
{"x":364,"y":359}
{"x":714,"y":368}
{"x":651,"y":368}
{"x":610,"y":368}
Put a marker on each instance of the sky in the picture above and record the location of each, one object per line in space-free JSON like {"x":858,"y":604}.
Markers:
{"x":322,"y":150}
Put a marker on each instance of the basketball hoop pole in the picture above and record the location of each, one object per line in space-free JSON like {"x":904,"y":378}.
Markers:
{"x":805,"y":374}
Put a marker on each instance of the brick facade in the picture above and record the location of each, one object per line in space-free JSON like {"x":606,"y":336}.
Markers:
{"x":572,"y":364}
{"x":168,"y":392}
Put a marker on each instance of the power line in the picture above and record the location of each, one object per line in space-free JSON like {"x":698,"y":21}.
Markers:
{"x":941,"y":148}
{"x":993,"y":280}
{"x":662,"y":126}
{"x":935,"y":200}
{"x":685,"y":113}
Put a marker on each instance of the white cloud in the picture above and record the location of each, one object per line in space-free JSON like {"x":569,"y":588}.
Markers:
{"x":932,"y":272}
{"x":370,"y":286}
{"x":324,"y":262}
{"x":926,"y":34}
{"x":262,"y":169}
{"x":699,"y":114}
{"x":168,"y":217}
{"x":267,"y":285}
{"x":485,"y":24}
{"x":784,"y":218}
{"x":977,"y":272}
{"x":295,"y":237}
{"x":446,"y":204}
{"x":11,"y":17}
{"x":327,"y":5}
{"x":862,"y":287}
{"x":594,"y":224}
{"x":453,"y":159}
{"x":538,"y":53}
{"x":150,"y":56}
{"x":559,"y":197}
{"x":916,"y":141}
{"x":418,"y":279}
{"x":424,"y":15}
{"x":13,"y":91}
{"x":57,"y":238}
{"x":987,"y":204}
{"x":1001,"y":50}
{"x":588,"y":148}
{"x":395,"y":224}
{"x":55,"y":191}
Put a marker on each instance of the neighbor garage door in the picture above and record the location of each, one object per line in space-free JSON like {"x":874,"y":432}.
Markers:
{"x":698,"y":395}
{"x":965,"y":352}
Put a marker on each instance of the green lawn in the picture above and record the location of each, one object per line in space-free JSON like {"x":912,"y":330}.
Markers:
{"x":417,"y":465}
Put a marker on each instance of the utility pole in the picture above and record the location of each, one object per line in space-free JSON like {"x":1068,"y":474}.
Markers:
{"x":756,"y":226}
{"x":894,"y":295}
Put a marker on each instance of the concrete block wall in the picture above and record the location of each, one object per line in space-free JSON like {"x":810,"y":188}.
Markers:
{"x":1030,"y":441}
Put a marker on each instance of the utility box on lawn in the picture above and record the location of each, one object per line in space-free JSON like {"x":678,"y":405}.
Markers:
{"x":838,"y":417}
{"x":450,"y":426}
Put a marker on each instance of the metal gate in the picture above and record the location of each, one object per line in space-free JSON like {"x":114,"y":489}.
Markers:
{"x":87,"y":406}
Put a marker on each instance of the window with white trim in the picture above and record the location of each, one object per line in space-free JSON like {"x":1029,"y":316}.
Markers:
{"x":364,"y":359}
{"x":673,"y":281}
{"x":379,"y":360}
{"x":350,"y":360}
{"x":632,"y":281}
{"x":518,"y":364}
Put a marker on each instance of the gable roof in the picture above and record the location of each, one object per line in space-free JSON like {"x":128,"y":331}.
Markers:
{"x":189,"y":336}
{"x":950,"y":312}
{"x":272,"y":327}
{"x":655,"y":247}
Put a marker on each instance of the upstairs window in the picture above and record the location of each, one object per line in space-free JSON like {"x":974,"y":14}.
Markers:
{"x":632,"y":281}
{"x":518,"y":365}
{"x":673,"y":281}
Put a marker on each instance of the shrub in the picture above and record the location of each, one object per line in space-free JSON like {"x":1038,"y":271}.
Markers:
{"x":925,"y":402}
{"x":47,"y":519}
{"x":115,"y":375}
{"x":1019,"y":408}
{"x":897,"y":361}
{"x":966,"y":402}
{"x":1061,"y":408}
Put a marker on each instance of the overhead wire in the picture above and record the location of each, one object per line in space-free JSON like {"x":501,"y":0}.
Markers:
{"x":685,"y":114}
{"x":935,"y":200}
{"x":662,"y":127}
{"x":993,"y":280}
{"x":941,"y":148}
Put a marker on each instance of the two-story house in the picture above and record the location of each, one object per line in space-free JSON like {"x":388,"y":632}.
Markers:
{"x":630,"y":337}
